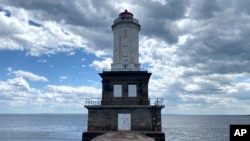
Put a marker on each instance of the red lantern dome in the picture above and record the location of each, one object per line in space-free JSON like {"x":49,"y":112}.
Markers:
{"x":126,"y":14}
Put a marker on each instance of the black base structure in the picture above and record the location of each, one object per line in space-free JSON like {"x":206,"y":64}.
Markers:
{"x":107,"y":114}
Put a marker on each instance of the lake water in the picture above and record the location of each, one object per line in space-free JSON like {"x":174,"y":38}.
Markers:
{"x":69,"y":127}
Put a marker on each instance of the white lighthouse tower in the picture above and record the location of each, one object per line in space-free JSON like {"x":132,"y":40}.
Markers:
{"x":125,"y":43}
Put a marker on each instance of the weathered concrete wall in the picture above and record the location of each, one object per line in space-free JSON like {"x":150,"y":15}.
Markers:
{"x":105,"y":118}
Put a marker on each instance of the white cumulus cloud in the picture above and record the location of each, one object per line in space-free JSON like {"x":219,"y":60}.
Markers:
{"x":28,"y":75}
{"x":100,"y":65}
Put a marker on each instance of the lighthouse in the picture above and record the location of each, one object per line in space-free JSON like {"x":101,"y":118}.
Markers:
{"x":125,"y":43}
{"x":125,"y":105}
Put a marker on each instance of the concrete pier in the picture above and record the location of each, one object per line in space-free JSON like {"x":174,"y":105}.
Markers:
{"x":126,"y":135}
{"x":122,"y":136}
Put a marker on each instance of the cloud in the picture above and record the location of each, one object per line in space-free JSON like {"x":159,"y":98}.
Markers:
{"x":62,"y":78}
{"x":38,"y":39}
{"x":28,"y":75}
{"x":53,"y":30}
{"x":77,"y":13}
{"x":205,"y":9}
{"x":17,"y":83}
{"x":181,"y":81}
{"x":73,"y":90}
{"x":218,"y":43}
{"x":17,"y":96}
{"x":42,"y":61}
{"x":197,"y":51}
{"x":101,"y":65}
{"x":6,"y":12}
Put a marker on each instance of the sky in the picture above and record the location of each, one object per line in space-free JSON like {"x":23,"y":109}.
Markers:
{"x":198,"y":52}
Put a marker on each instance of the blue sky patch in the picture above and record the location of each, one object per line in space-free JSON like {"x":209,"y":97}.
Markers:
{"x":32,"y":23}
{"x":6,"y":12}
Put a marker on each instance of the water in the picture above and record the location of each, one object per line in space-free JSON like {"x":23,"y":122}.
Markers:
{"x":42,"y":127}
{"x":200,"y":128}
{"x":69,"y":127}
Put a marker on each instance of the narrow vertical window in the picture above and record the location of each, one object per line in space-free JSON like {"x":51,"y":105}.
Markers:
{"x":117,"y":90}
{"x":132,"y":91}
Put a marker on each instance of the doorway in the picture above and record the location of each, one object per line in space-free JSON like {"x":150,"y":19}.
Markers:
{"x":124,"y":121}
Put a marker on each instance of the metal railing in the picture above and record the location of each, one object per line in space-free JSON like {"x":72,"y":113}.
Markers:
{"x":143,"y":70}
{"x":159,"y":101}
{"x":126,"y":19}
{"x":93,"y":101}
{"x":122,"y":101}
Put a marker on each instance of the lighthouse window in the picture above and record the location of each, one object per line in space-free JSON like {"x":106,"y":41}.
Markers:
{"x":117,"y":90}
{"x":132,"y":91}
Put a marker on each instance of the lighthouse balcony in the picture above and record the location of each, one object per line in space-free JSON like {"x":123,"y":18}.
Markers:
{"x":126,"y":19}
{"x":122,"y":101}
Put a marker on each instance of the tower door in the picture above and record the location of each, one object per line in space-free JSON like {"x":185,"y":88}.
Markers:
{"x":124,"y":121}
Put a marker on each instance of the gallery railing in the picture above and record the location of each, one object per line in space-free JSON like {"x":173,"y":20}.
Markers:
{"x":122,"y":101}
{"x":93,"y":101}
{"x":141,"y":70}
{"x":126,"y":19}
{"x":158,"y":101}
